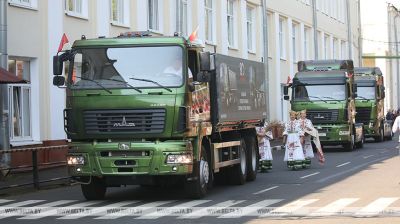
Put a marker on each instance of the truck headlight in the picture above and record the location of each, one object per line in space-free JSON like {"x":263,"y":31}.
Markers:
{"x":371,"y":124}
{"x":179,"y":158}
{"x":75,"y":160}
{"x":344,"y":132}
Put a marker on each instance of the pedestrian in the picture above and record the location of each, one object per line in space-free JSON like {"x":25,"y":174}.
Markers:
{"x":264,"y":147}
{"x":396,"y":126}
{"x":306,"y":126}
{"x":293,"y":137}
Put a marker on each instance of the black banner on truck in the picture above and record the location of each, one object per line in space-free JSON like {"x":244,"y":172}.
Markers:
{"x":240,"y":89}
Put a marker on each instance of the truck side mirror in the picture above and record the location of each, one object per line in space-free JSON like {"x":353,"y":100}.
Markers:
{"x":354,"y":95}
{"x":203,"y":76}
{"x":207,"y":62}
{"x":354,"y":87}
{"x":285,"y":90}
{"x":58,"y":80}
{"x":286,"y":97}
{"x":57,"y":65}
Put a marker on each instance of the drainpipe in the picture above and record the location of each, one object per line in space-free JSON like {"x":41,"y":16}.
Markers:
{"x":4,"y":127}
{"x":360,"y":40}
{"x":349,"y":30}
{"x":315,"y":25}
{"x":265,"y":41}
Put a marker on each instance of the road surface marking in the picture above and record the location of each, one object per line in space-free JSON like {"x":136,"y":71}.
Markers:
{"x":384,"y":151}
{"x":203,"y":212}
{"x":2,"y":201}
{"x":56,"y":210}
{"x":309,"y":175}
{"x":44,"y":207}
{"x":343,"y":164}
{"x":116,"y":215}
{"x":98,"y":210}
{"x":167,"y":212}
{"x":375,"y":207}
{"x":287,"y":209}
{"x":355,"y":168}
{"x":265,"y":190}
{"x":251,"y":208}
{"x":334,"y":207}
{"x":366,"y":157}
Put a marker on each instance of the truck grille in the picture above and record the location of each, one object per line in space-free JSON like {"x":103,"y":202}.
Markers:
{"x":363,"y":115}
{"x":124,"y":121}
{"x":323,"y":116}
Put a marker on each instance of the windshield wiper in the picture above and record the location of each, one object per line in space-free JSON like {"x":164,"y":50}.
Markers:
{"x":98,"y":83}
{"x":317,"y":98}
{"x":148,"y":80}
{"x":122,"y":81}
{"x":328,"y":97}
{"x":362,"y":98}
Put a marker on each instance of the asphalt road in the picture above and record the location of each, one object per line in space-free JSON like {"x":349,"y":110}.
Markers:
{"x":361,"y":183}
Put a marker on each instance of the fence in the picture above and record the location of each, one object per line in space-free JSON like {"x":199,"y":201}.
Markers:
{"x":35,"y":165}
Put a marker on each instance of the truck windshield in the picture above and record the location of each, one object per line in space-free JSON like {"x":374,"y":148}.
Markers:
{"x":319,"y":92}
{"x":366,"y":92}
{"x":114,"y":67}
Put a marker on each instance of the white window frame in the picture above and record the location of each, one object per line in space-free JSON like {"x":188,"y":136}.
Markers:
{"x":210,"y":37}
{"x":84,"y":14}
{"x":334,"y":48}
{"x":250,"y":28}
{"x":28,"y":4}
{"x":231,"y":17}
{"x":157,"y":15}
{"x":343,"y":49}
{"x":122,"y":6}
{"x":294,"y":42}
{"x":326,"y":46}
{"x":23,"y":137}
{"x":281,"y":36}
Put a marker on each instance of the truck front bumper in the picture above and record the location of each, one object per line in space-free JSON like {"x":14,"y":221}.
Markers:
{"x":335,"y":134}
{"x":130,"y":158}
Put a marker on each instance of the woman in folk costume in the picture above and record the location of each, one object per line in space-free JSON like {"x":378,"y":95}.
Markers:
{"x":310,"y":133}
{"x":292,"y":138}
{"x":264,"y":147}
{"x":306,"y":126}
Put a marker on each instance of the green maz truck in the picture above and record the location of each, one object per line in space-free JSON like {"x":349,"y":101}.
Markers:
{"x":370,"y":103}
{"x":326,"y":89}
{"x":135,"y":117}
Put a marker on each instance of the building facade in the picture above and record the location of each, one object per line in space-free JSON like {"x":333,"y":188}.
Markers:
{"x":230,"y":27}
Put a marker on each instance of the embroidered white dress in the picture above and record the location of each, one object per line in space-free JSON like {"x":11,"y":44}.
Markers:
{"x":306,"y":124}
{"x":264,"y":146}
{"x":293,"y":148}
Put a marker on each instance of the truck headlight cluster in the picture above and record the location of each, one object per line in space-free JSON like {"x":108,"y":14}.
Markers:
{"x":371,"y":124}
{"x":179,"y":158}
{"x":75,"y":160}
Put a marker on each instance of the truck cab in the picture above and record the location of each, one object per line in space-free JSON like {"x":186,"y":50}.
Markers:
{"x":370,"y":103}
{"x":326,"y":89}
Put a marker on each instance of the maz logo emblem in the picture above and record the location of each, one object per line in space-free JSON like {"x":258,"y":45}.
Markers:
{"x":319,"y":117}
{"x":123,"y":146}
{"x":124,"y":123}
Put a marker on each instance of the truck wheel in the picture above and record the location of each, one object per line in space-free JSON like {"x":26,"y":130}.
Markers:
{"x":198,"y":188}
{"x":96,"y":190}
{"x":252,"y":158}
{"x":239,"y":171}
{"x":350,"y":146}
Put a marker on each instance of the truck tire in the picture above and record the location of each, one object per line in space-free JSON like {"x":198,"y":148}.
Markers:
{"x":238,"y":173}
{"x":198,"y":188}
{"x":252,"y":158}
{"x":95,"y":190}
{"x":350,"y":146}
{"x":360,"y":144}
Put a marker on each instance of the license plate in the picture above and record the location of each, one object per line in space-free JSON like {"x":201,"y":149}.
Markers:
{"x":322,"y":134}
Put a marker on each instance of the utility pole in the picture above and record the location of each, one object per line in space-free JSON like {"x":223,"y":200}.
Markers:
{"x":266,"y":63}
{"x":315,"y":25}
{"x":4,"y":127}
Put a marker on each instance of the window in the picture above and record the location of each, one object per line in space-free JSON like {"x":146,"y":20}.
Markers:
{"x":294,"y":45}
{"x":24,"y":3}
{"x":153,"y":15}
{"x":120,"y":12}
{"x":78,"y":8}
{"x":343,"y":50}
{"x":209,"y":17}
{"x":306,"y":42}
{"x":20,"y":102}
{"x":231,"y":25}
{"x":250,"y":29}
{"x":334,"y":48}
{"x":282,"y":39}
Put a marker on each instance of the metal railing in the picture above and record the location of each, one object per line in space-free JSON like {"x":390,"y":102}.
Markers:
{"x":35,"y":166}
